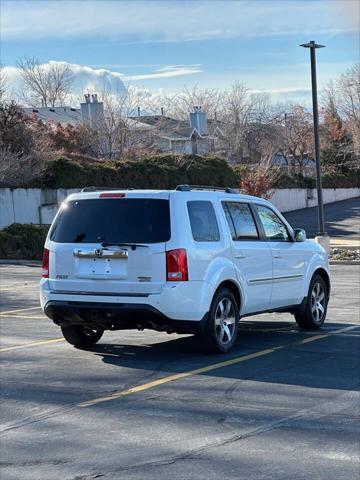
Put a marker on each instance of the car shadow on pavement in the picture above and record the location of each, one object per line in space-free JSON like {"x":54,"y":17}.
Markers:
{"x":327,"y":362}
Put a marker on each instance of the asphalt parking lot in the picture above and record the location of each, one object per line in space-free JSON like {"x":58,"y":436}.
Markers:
{"x":144,"y":405}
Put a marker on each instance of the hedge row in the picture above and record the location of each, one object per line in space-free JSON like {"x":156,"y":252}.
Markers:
{"x":23,"y":241}
{"x":167,"y":171}
{"x":154,"y":172}
{"x":328,"y":181}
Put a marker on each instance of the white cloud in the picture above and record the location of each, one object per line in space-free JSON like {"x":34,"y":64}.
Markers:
{"x":88,"y":79}
{"x":157,"y":21}
{"x":167,"y":72}
{"x":85,"y":79}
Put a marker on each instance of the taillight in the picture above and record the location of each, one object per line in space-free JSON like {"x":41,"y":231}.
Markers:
{"x":45,"y":263}
{"x":176,"y":265}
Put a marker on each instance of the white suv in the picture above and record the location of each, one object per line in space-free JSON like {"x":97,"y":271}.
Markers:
{"x":189,"y":260}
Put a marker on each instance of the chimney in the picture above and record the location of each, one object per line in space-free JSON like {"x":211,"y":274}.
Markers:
{"x":138,"y":110}
{"x":92,"y":112}
{"x":198,"y":120}
{"x":162,"y":111}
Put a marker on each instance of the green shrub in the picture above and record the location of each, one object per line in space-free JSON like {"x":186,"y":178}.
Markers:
{"x":342,"y":181}
{"x":328,"y":181}
{"x":23,"y":241}
{"x":161,"y":171}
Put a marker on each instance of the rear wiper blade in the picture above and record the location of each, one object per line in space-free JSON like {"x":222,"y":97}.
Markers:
{"x":132,"y":245}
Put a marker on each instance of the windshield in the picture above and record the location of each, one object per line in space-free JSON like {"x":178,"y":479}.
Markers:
{"x":135,"y":220}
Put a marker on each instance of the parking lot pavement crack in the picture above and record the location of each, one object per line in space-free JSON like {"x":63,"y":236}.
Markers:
{"x":338,"y":403}
{"x":36,"y":418}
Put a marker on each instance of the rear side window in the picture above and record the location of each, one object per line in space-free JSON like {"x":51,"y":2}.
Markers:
{"x":203,"y":221}
{"x":125,"y":220}
{"x":241,"y":221}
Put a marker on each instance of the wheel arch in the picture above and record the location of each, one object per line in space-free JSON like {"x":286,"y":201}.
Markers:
{"x":325,"y":276}
{"x":234,"y":289}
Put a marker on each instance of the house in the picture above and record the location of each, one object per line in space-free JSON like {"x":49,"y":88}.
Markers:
{"x":197,"y":136}
{"x":285,"y":162}
{"x":63,"y":115}
{"x":90,"y":113}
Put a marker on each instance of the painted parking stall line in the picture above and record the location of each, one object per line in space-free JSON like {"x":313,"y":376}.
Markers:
{"x":32,"y":344}
{"x":8,"y":312}
{"x":208,"y":368}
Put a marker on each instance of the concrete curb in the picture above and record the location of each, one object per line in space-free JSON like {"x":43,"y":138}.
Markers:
{"x":344,"y":262}
{"x":25,"y":263}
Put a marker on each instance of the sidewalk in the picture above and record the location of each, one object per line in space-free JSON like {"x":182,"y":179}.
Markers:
{"x":344,"y":242}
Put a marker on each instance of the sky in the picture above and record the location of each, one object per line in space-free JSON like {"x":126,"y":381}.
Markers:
{"x":166,"y":45}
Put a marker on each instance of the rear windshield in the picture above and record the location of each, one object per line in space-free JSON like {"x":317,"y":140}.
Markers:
{"x":125,"y":220}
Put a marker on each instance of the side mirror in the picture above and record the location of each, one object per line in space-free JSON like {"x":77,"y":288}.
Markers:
{"x":299,"y":235}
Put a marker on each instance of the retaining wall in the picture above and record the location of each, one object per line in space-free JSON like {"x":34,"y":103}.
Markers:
{"x":39,"y":206}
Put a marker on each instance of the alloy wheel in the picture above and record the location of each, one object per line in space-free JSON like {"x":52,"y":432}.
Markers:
{"x":225,"y":321}
{"x":318,"y":302}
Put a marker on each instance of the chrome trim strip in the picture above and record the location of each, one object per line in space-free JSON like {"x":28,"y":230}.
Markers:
{"x":256,"y":281}
{"x":100,"y":253}
{"x":99,"y":294}
{"x":274,"y":279}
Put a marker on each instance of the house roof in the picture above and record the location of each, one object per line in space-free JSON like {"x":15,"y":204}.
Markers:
{"x":62,"y":115}
{"x":281,"y":160}
{"x":172,"y":128}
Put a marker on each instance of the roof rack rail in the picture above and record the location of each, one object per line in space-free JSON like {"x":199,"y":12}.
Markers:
{"x":188,"y":188}
{"x":103,"y":189}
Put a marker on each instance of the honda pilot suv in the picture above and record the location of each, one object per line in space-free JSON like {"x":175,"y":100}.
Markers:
{"x":190,"y":260}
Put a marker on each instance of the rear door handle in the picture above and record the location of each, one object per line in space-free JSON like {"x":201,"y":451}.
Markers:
{"x":277,"y":255}
{"x":240,"y":255}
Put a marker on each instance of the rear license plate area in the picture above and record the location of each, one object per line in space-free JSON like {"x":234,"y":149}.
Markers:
{"x":101,"y":268}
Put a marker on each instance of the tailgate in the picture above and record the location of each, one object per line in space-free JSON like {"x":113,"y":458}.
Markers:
{"x":119,"y":247}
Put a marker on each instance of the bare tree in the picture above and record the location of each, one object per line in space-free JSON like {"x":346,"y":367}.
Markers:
{"x":116,"y":133}
{"x":3,"y":82}
{"x":347,"y":94}
{"x":298,"y":140}
{"x":47,"y":85}
{"x":180,"y":104}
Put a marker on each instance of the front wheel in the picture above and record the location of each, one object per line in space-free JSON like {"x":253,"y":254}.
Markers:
{"x":313,"y":315}
{"x":80,"y":336}
{"x":222,"y":325}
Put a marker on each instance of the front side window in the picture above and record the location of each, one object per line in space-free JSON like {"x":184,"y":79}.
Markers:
{"x":274,"y":228}
{"x":203,"y":222}
{"x":241,"y":221}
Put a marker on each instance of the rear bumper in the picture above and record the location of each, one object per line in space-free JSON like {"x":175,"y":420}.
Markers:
{"x":177,"y":300}
{"x":109,"y":316}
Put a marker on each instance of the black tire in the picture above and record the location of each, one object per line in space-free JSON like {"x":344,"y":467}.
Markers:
{"x":80,"y":336}
{"x":216,"y":337}
{"x":313,"y":315}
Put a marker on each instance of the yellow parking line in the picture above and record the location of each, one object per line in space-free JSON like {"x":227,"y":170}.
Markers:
{"x":177,"y":376}
{"x":32,"y":344}
{"x":19,"y":310}
{"x":29,"y":317}
{"x":18,"y":287}
{"x":208,"y":368}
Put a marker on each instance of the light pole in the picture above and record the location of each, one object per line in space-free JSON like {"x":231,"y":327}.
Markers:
{"x":313,"y":46}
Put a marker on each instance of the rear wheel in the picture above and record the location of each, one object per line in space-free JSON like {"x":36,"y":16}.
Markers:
{"x":313,"y":315}
{"x":80,"y":336}
{"x":222,"y":325}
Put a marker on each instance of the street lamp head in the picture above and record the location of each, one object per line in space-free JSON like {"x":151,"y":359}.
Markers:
{"x":312,"y":44}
